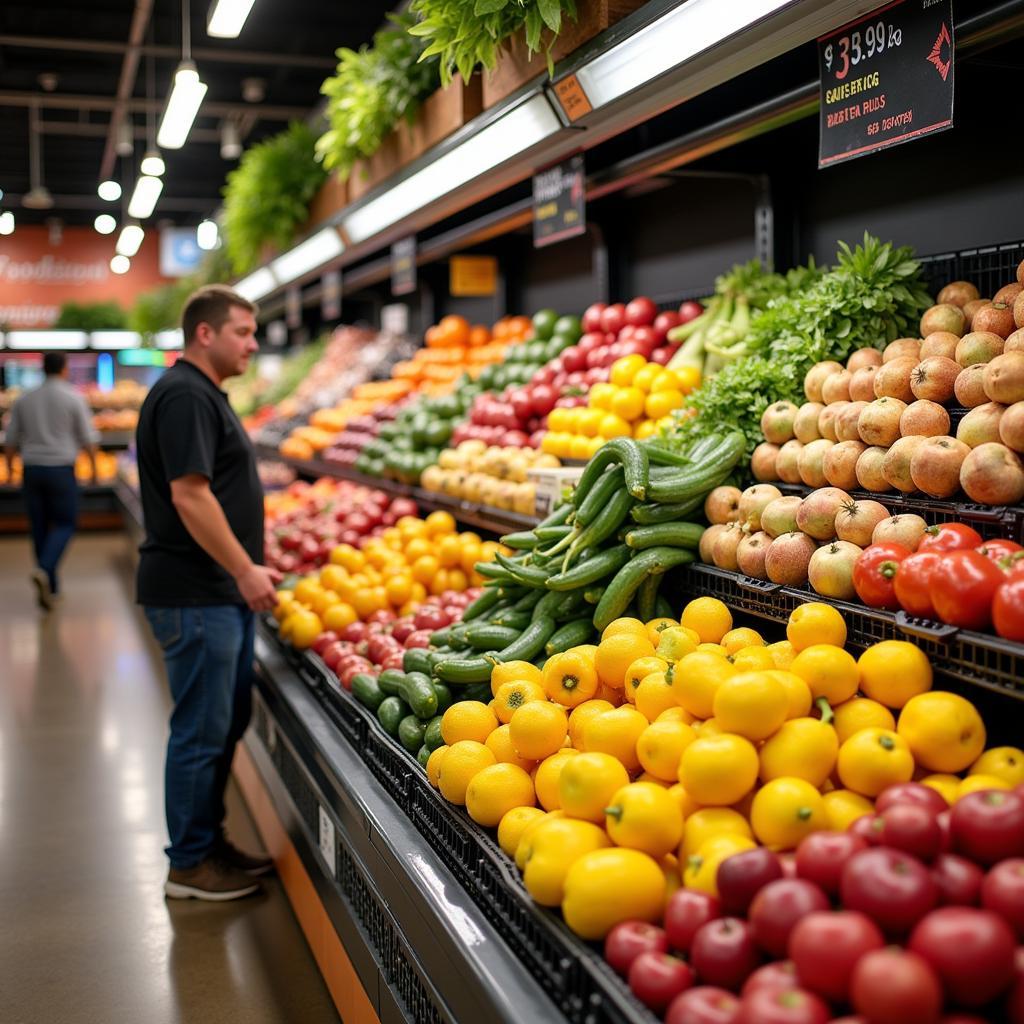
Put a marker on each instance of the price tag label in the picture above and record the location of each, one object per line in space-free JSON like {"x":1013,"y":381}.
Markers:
{"x":572,"y":98}
{"x":330,"y":295}
{"x":560,"y":202}
{"x":326,"y":842}
{"x":886,"y":79}
{"x":403,"y":266}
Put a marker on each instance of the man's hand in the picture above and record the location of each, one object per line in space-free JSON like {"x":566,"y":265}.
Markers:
{"x":256,"y":585}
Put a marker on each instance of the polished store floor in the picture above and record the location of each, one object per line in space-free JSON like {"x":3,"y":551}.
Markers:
{"x":86,"y":936}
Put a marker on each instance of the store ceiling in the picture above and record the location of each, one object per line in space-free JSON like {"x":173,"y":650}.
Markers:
{"x":66,"y":60}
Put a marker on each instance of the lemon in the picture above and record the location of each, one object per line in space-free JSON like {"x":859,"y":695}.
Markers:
{"x":524,"y":848}
{"x":843,"y":807}
{"x":797,"y":691}
{"x":829,"y":671}
{"x":708,"y":617}
{"x":538,"y":729}
{"x":433,"y":766}
{"x":719,"y":770}
{"x":695,"y":680}
{"x":655,"y":695}
{"x":547,"y":774}
{"x":872,"y":759}
{"x":499,"y":743}
{"x":616,"y":733}
{"x":751,"y":704}
{"x":605,"y":887}
{"x":1006,"y":763}
{"x":978,"y":783}
{"x":707,"y":822}
{"x":581,"y":714}
{"x":552,"y":847}
{"x":468,"y":720}
{"x":460,"y":763}
{"x":740,"y":638}
{"x":785,"y":810}
{"x":513,"y":824}
{"x":628,"y":626}
{"x":686,"y":802}
{"x":804,"y":748}
{"x":944,"y":731}
{"x":660,"y":748}
{"x":893,"y":671}
{"x":815,"y":623}
{"x":782,"y":653}
{"x":643,"y":816}
{"x":495,"y":790}
{"x":617,"y":652}
{"x":947,"y":786}
{"x":512,"y":696}
{"x":514,"y":671}
{"x":586,"y":784}
{"x":701,"y":868}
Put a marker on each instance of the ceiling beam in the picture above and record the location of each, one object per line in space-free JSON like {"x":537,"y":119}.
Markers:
{"x":74,"y":101}
{"x":199,"y":53}
{"x":166,"y":204}
{"x":93,"y":130}
{"x":125,"y":83}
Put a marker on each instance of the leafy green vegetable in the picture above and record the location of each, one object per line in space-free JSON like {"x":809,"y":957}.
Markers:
{"x":873,"y":295}
{"x":467,"y":34}
{"x":90,"y":316}
{"x":267,"y":195}
{"x":372,"y":90}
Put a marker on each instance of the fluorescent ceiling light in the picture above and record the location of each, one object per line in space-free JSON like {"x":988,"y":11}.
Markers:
{"x":259,"y":283}
{"x":169,"y":339}
{"x":31,"y":340}
{"x":105,"y":224}
{"x":227,"y":17}
{"x":308,"y":255}
{"x":109,"y":191}
{"x":120,"y":264}
{"x":207,"y":235}
{"x":152,"y":163}
{"x":182,"y":106}
{"x":143,"y":201}
{"x":682,"y":33}
{"x":114,"y":339}
{"x":522,"y":127}
{"x":129,"y":240}
{"x":6,"y":223}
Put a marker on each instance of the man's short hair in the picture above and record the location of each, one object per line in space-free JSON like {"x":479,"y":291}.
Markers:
{"x":210,"y":305}
{"x":54,"y":363}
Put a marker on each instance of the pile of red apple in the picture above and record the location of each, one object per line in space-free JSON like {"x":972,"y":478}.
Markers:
{"x":380,"y":642}
{"x":359,"y":431}
{"x":913,"y":916}
{"x":624,"y":329}
{"x":301,"y":541}
{"x":513,"y":419}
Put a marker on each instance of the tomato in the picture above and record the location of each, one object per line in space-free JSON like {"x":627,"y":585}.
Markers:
{"x":911,"y":583}
{"x":613,"y":319}
{"x":783,"y":1006}
{"x":591,"y":318}
{"x":778,"y":907}
{"x":429,"y":616}
{"x":705,"y":1004}
{"x":962,"y":589}
{"x":420,"y":638}
{"x":628,"y":939}
{"x":894,"y":889}
{"x":1008,"y":608}
{"x":971,"y":950}
{"x":641,"y":311}
{"x":959,"y":880}
{"x":686,"y":911}
{"x":912,"y":829}
{"x":778,"y":974}
{"x":826,"y":947}
{"x":723,"y":952}
{"x":949,"y":537}
{"x":874,"y":574}
{"x":656,"y":979}
{"x":998,"y":548}
{"x":323,"y":641}
{"x":893,"y":986}
{"x":690,"y":310}
{"x":1003,"y":892}
{"x":820,"y":857}
{"x":742,"y":875}
{"x":988,"y":826}
{"x":911,"y":793}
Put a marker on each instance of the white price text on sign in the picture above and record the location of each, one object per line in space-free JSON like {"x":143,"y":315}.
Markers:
{"x":326,"y":842}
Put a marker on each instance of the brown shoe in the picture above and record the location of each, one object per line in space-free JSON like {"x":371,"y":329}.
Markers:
{"x":234,"y":857}
{"x":210,"y":880}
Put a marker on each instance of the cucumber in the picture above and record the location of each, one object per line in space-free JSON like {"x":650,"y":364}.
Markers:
{"x":572,"y":634}
{"x":593,"y":594}
{"x":444,"y":696}
{"x":423,"y":755}
{"x":662,"y":609}
{"x":552,"y":533}
{"x":391,"y":681}
{"x":661,"y":456}
{"x":410,"y":733}
{"x":441,"y":637}
{"x":673,"y":535}
{"x":390,"y":713}
{"x":558,"y":517}
{"x":530,"y":643}
{"x":464,"y":670}
{"x":485,"y":637}
{"x":366,"y":691}
{"x":647,"y":598}
{"x":525,"y":540}
{"x":527,"y":575}
{"x":607,"y":521}
{"x":418,"y":692}
{"x":432,"y":738}
{"x":416,"y":659}
{"x":608,"y":483}
{"x":571,"y":604}
{"x":716,"y":465}
{"x":484,"y":603}
{"x":656,"y":512}
{"x":478,"y":691}
{"x":598,"y":567}
{"x":527,"y":602}
{"x":513,"y":620}
{"x":619,"y":593}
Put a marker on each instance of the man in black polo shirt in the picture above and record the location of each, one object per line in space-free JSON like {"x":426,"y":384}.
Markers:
{"x":200,"y":580}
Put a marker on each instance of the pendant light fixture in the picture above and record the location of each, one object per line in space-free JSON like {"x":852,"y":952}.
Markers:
{"x":152,"y":162}
{"x":186,"y":96}
{"x":38,"y":196}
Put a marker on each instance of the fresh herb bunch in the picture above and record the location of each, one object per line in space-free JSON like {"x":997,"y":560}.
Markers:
{"x":267,"y":195}
{"x":873,"y":295}
{"x":372,"y":90}
{"x":467,"y":34}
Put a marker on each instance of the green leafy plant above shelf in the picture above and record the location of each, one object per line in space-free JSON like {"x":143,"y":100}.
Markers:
{"x":90,"y":316}
{"x":267,"y":196}
{"x":468,"y":34}
{"x":373,"y":89}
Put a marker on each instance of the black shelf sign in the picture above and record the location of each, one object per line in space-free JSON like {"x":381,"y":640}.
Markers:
{"x":560,"y":202}
{"x":403,"y":266}
{"x":330,"y":295}
{"x":886,"y":79}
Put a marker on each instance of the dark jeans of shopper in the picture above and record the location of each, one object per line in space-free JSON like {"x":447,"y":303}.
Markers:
{"x":51,"y":494}
{"x":208,"y":651}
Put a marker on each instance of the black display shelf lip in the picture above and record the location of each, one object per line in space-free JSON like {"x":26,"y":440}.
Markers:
{"x":572,"y":972}
{"x":960,"y":655}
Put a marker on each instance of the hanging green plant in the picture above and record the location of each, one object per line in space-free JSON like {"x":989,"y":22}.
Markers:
{"x":468,"y":34}
{"x":373,"y":89}
{"x":90,"y":316}
{"x":267,"y":196}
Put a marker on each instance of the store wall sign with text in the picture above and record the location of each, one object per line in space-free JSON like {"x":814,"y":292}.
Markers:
{"x":886,"y":79}
{"x":560,"y":202}
{"x":37,"y":277}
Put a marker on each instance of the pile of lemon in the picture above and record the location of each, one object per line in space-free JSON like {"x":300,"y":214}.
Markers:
{"x":623,"y":771}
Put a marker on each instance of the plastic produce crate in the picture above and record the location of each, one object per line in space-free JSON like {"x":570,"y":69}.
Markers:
{"x":959,"y":656}
{"x":571,"y":971}
{"x":989,"y":268}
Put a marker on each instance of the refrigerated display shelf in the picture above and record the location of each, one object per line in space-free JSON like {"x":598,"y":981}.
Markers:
{"x":572,"y":972}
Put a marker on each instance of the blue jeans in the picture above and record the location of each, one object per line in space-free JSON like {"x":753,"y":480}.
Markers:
{"x":208,"y":651}
{"x":51,"y":494}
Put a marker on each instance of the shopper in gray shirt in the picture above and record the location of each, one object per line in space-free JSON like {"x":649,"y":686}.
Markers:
{"x":48,"y":427}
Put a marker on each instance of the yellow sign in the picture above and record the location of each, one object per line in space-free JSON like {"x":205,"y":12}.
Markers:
{"x":472,"y":275}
